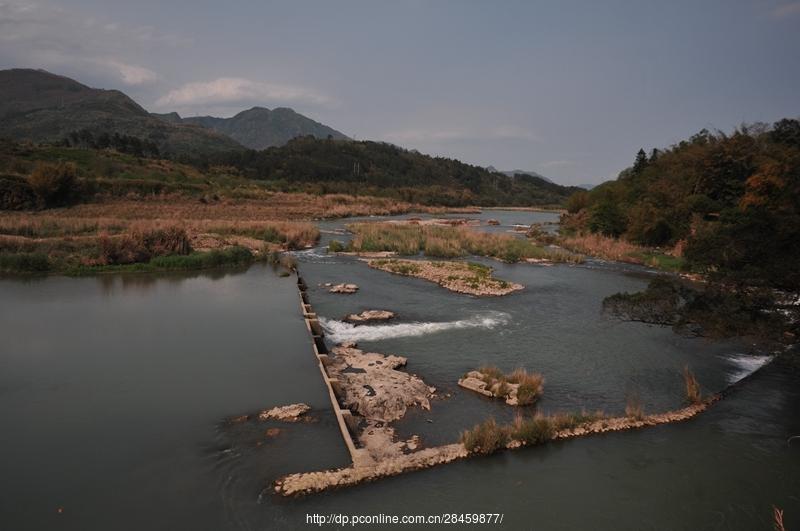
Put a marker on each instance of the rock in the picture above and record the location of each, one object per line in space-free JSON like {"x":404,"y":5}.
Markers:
{"x":272,"y":432}
{"x":372,"y":387}
{"x":413,"y":443}
{"x":370,"y":315}
{"x":493,"y":222}
{"x":344,"y":288}
{"x":475,"y":384}
{"x":239,"y":419}
{"x":290,"y":413}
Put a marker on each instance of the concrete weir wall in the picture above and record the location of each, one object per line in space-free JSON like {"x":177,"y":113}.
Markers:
{"x":347,"y":423}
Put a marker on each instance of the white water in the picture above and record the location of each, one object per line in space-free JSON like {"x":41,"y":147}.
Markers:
{"x":339,"y":331}
{"x":745,"y":365}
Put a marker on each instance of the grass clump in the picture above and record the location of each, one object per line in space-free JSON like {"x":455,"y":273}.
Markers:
{"x":693,"y":393}
{"x":529,"y":386}
{"x":335,"y":246}
{"x":141,"y":246}
{"x":486,"y":437}
{"x":533,"y":430}
{"x":634,"y":407}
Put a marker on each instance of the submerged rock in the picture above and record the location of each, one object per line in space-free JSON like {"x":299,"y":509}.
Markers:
{"x":370,"y":315}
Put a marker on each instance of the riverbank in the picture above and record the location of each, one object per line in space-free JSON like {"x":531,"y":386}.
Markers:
{"x":173,"y":231}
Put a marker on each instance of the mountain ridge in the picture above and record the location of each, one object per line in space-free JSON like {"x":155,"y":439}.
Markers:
{"x":260,"y":128}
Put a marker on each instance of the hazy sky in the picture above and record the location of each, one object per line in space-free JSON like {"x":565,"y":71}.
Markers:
{"x":569,"y":89}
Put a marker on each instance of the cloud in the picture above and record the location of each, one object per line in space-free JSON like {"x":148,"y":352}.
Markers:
{"x":501,"y":132}
{"x":41,"y":35}
{"x":236,"y":90}
{"x":786,"y":10}
{"x":131,"y":74}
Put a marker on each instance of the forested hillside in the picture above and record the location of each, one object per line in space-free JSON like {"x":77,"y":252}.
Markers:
{"x":377,"y":168}
{"x":730,"y":203}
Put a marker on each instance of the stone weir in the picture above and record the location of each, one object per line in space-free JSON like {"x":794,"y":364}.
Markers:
{"x":344,"y":417}
{"x":375,"y":453}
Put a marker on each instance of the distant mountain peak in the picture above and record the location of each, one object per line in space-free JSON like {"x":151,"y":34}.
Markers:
{"x":260,"y":127}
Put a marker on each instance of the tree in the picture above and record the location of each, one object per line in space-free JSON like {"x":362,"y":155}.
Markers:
{"x":641,"y":162}
{"x":577,"y":201}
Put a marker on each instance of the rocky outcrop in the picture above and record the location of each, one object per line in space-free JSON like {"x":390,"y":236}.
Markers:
{"x":493,"y":222}
{"x":370,"y":315}
{"x":461,"y":277}
{"x":518,"y":388}
{"x":369,"y":385}
{"x":290,"y":413}
{"x":344,"y":288}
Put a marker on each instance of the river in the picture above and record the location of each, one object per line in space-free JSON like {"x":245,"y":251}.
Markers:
{"x":115,"y":390}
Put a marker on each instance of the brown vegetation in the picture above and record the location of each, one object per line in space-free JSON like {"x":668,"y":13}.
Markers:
{"x":519,"y":388}
{"x":693,"y":393}
{"x":449,"y":242}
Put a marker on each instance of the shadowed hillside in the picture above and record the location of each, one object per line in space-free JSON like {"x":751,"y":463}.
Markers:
{"x":43,"y":107}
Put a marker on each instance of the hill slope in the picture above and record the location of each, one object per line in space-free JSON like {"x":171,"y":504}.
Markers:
{"x":377,"y":168}
{"x":260,"y":128}
{"x":730,"y":202}
{"x":43,"y":107}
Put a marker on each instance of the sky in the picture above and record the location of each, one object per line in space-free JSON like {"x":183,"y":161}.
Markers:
{"x":570,"y":89}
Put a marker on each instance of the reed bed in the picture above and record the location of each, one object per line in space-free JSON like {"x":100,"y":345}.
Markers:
{"x":449,"y":242}
{"x":619,"y":250}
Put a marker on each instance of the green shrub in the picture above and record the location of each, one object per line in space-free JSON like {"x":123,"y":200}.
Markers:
{"x":335,"y":246}
{"x":16,"y":193}
{"x":207,"y":260}
{"x":24,"y":263}
{"x":533,"y":430}
{"x":54,"y":184}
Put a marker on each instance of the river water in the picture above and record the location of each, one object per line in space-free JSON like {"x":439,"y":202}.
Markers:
{"x":115,"y":390}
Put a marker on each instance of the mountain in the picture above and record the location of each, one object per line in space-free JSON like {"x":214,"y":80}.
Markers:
{"x":43,"y":107}
{"x":260,"y":128}
{"x":531,"y":173}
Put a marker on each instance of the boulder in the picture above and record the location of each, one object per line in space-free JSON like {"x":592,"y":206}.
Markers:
{"x":290,"y":413}
{"x":370,"y":315}
{"x":344,"y":288}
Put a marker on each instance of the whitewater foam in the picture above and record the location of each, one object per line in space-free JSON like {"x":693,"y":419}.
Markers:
{"x":340,"y":332}
{"x":745,"y":365}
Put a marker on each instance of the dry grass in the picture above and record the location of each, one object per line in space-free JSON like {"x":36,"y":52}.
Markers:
{"x":531,"y":385}
{"x":693,"y":392}
{"x":489,"y":437}
{"x":620,"y":250}
{"x":777,"y":516}
{"x":448,"y":242}
{"x":634,"y":407}
{"x":486,"y":437}
{"x":604,"y":247}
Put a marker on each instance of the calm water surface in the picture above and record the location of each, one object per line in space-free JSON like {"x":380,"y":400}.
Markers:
{"x":114,"y":393}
